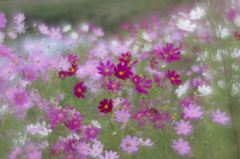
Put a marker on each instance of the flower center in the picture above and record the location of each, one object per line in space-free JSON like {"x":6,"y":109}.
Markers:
{"x":140,"y":85}
{"x":172,"y":78}
{"x":20,"y":98}
{"x":79,"y":90}
{"x":105,"y":106}
{"x":106,"y":70}
{"x":121,"y":73}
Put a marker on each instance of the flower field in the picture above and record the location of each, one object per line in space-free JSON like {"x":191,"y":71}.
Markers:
{"x":165,"y":87}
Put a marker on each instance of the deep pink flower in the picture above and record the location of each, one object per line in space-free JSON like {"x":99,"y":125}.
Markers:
{"x":142,"y":84}
{"x":79,"y":89}
{"x":168,"y":54}
{"x":173,"y":78}
{"x":105,"y":106}
{"x":106,"y":70}
{"x":125,"y":58}
{"x":219,"y":117}
{"x":122,"y":71}
{"x":3,"y":20}
{"x":75,"y":123}
{"x":113,"y":85}
{"x":62,"y":74}
{"x":181,"y":146}
{"x":183,"y":127}
{"x":91,"y":132}
{"x":236,"y":35}
{"x":72,"y":70}
{"x":130,"y":144}
{"x":73,"y":59}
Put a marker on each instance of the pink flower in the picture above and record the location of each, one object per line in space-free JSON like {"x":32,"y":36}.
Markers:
{"x":122,"y":115}
{"x":181,"y":146}
{"x":147,"y":143}
{"x":96,"y":150}
{"x":98,"y":32}
{"x":5,"y":51}
{"x":19,"y":18}
{"x":183,"y":127}
{"x":113,"y":85}
{"x":173,"y":78}
{"x":83,"y":148}
{"x":109,"y":155}
{"x":15,"y":153}
{"x":35,"y":155}
{"x":55,"y":34}
{"x":192,"y":112}
{"x":79,"y":89}
{"x":106,"y":69}
{"x":219,"y":117}
{"x":43,"y":29}
{"x":3,"y":20}
{"x":20,"y":98}
{"x":130,"y":144}
{"x":30,"y":74}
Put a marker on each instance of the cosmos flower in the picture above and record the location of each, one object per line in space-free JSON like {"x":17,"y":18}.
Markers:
{"x":130,"y":144}
{"x":204,"y":90}
{"x":185,"y":25}
{"x":109,"y":155}
{"x":142,"y":84}
{"x":173,"y":77}
{"x":181,"y":146}
{"x":105,"y":106}
{"x":79,"y":89}
{"x":122,"y":71}
{"x":3,"y":20}
{"x":106,"y":69}
{"x":183,"y":127}
{"x":219,"y":117}
{"x":192,"y":112}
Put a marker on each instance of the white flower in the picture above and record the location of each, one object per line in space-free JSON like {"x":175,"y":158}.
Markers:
{"x":96,"y":124}
{"x":221,"y":33}
{"x":2,"y":35}
{"x":235,"y":53}
{"x":237,"y":21}
{"x":182,"y":89}
{"x":197,"y":13}
{"x":66,"y":28}
{"x":85,"y":28}
{"x":185,"y":25}
{"x":74,"y":35}
{"x":146,"y":37}
{"x":204,"y":90}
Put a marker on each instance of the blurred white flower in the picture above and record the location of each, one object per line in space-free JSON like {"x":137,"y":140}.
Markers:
{"x":74,"y":35}
{"x":146,"y":37}
{"x":185,"y":25}
{"x":96,"y":124}
{"x":85,"y":28}
{"x":182,"y":89}
{"x":2,"y":35}
{"x":67,"y":28}
{"x":204,"y":90}
{"x":197,"y":13}
{"x":221,"y":33}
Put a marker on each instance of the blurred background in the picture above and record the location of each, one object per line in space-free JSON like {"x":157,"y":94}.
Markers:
{"x":107,"y":14}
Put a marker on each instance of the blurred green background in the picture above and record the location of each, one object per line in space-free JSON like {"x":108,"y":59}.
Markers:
{"x":108,"y":14}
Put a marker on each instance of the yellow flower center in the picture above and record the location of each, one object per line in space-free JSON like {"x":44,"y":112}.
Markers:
{"x":172,"y":78}
{"x":121,"y":73}
{"x":105,"y":106}
{"x":79,"y":90}
{"x":106,"y":70}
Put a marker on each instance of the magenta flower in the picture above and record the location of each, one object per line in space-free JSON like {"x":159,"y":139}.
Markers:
{"x":113,"y":85}
{"x":219,"y":117}
{"x":79,"y":89}
{"x":75,"y":123}
{"x":173,"y":78}
{"x":20,"y":98}
{"x":130,"y":144}
{"x":3,"y":20}
{"x":142,"y":84}
{"x":73,"y":59}
{"x":126,"y":58}
{"x":106,"y":70}
{"x":106,"y":106}
{"x":181,"y":146}
{"x":192,"y":112}
{"x":183,"y":127}
{"x":91,"y":132}
{"x":30,"y":74}
{"x":168,"y":54}
{"x":122,"y":71}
